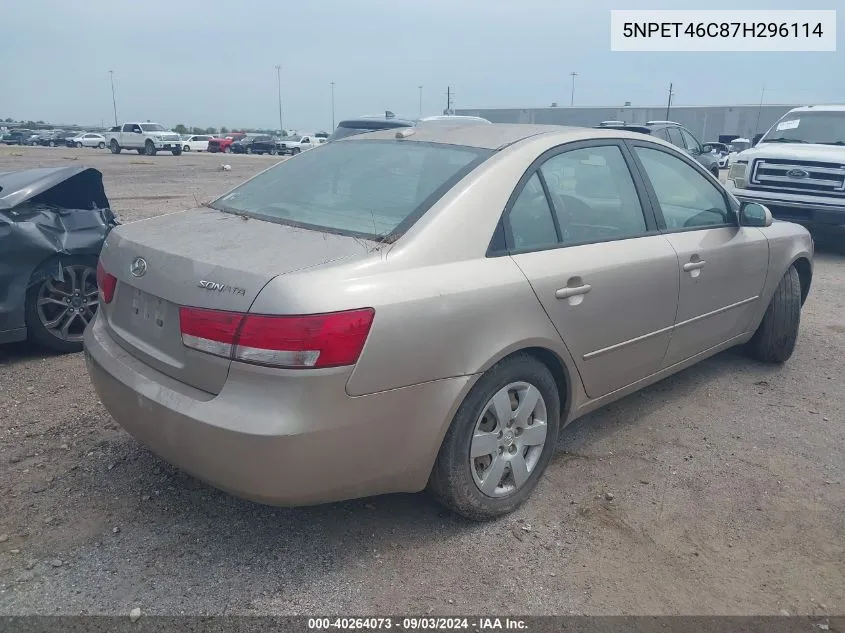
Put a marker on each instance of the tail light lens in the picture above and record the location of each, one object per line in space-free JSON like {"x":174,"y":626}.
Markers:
{"x":296,"y":342}
{"x":106,"y":283}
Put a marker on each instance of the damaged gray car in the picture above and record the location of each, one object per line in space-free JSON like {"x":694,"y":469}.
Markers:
{"x":53,"y":222}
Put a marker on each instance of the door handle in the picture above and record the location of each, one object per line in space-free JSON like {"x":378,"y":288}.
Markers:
{"x":694,"y":265}
{"x":572,"y":291}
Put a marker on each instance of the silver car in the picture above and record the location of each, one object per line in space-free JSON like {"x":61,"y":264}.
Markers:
{"x":426,"y":307}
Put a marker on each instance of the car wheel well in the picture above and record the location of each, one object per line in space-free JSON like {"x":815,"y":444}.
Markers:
{"x":805,"y":276}
{"x":558,"y":370}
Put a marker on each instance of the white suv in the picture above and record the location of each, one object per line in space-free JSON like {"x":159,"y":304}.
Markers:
{"x":797,"y":169}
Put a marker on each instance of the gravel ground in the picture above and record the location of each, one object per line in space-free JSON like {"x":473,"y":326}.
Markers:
{"x":725,"y":481}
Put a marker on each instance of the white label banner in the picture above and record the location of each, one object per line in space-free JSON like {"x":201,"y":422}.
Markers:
{"x":723,"y":30}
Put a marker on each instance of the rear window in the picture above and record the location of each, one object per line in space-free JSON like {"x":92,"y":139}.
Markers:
{"x":372,"y":189}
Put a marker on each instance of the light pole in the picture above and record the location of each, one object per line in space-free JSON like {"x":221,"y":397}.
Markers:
{"x":332,"y":105}
{"x":420,"y":87}
{"x":759,"y":110}
{"x":572,"y":96}
{"x":669,"y":102}
{"x":113,"y":101}
{"x":279,"y":84}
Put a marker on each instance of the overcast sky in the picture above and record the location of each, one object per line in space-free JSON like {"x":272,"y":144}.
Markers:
{"x":211,"y":63}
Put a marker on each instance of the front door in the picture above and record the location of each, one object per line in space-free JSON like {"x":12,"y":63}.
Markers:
{"x":722,"y":265}
{"x":604,"y":275}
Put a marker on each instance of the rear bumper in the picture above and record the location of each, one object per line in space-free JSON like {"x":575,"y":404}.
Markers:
{"x":278,"y":437}
{"x":813,"y":215}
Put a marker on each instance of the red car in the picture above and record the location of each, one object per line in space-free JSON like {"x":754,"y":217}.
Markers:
{"x":223,"y":144}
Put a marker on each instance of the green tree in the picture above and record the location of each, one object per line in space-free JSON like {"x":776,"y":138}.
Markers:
{"x":210,"y":130}
{"x":224,"y":130}
{"x":9,"y":120}
{"x":180,"y":129}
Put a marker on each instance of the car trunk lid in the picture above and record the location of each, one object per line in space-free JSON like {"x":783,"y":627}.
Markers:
{"x":200,"y":258}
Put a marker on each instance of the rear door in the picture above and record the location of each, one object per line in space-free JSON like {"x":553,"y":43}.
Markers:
{"x":723,"y":266}
{"x":578,"y":229}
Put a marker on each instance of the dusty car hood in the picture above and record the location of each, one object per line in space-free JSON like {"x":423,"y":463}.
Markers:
{"x":795,"y":151}
{"x":16,"y":187}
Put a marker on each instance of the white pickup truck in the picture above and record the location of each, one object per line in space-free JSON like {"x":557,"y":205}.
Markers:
{"x":294,"y":144}
{"x":145,"y":138}
{"x":797,"y":169}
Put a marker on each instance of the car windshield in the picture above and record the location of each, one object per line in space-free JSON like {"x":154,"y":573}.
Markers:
{"x":808,"y":127}
{"x":153,"y":127}
{"x":351,"y":128}
{"x":372,"y":189}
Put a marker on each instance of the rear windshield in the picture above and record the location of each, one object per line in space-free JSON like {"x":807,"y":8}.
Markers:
{"x":351,"y":128}
{"x":372,"y":189}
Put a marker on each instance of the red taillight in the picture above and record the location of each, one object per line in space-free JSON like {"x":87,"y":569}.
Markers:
{"x":106,"y":283}
{"x":297,"y":342}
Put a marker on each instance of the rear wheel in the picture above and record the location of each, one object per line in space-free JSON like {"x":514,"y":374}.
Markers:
{"x":60,"y":307}
{"x":114,"y":146}
{"x":500,"y":441}
{"x":78,"y":144}
{"x":101,"y":145}
{"x":149,"y":148}
{"x":774,"y":341}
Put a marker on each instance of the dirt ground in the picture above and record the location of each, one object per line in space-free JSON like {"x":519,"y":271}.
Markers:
{"x":726,"y":483}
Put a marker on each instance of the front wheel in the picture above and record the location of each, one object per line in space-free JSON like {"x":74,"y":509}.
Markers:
{"x":78,"y":145}
{"x":59,"y":307}
{"x":273,"y":152}
{"x":774,"y":341}
{"x":114,"y":146}
{"x":500,"y":441}
{"x":177,"y":151}
{"x":149,"y":148}
{"x":295,"y":151}
{"x":186,"y":148}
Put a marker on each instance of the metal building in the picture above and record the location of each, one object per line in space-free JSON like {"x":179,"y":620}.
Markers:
{"x":708,"y":123}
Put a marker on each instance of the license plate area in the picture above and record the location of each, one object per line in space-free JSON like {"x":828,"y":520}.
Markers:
{"x":148,"y":314}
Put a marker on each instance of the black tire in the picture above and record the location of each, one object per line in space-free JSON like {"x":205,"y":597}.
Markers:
{"x":451,"y":481}
{"x":53,"y":144}
{"x":114,"y":146}
{"x":273,"y":152}
{"x":101,"y":145}
{"x":177,"y":151}
{"x":186,"y":148}
{"x":36,"y":329}
{"x":149,"y":148}
{"x":295,"y":151}
{"x":774,"y":341}
{"x":78,"y":145}
{"x":715,"y":172}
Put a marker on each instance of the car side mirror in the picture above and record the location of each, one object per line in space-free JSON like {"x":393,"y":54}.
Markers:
{"x":755,"y":214}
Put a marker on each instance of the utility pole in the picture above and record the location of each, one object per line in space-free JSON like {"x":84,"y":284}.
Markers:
{"x":420,"y":87}
{"x":759,"y":110}
{"x":113,"y":100}
{"x":332,"y":105}
{"x":448,"y":100}
{"x":572,"y":96}
{"x":279,"y":83}
{"x":669,"y":103}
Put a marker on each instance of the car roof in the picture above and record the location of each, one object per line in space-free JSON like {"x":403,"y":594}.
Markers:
{"x":819,"y":108}
{"x":494,"y":136}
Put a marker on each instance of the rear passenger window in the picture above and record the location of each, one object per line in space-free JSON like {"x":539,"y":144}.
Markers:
{"x":593,"y":195}
{"x":530,"y":218}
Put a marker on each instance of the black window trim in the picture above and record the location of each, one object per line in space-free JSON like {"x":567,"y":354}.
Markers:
{"x":502,"y":242}
{"x":684,"y":157}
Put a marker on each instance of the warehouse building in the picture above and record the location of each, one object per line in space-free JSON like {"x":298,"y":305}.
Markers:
{"x":708,"y":123}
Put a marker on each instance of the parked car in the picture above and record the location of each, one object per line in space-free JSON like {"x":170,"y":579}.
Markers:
{"x":351,"y":127}
{"x":88,"y":139}
{"x":674,"y":133}
{"x":195,"y":142}
{"x":53,"y":222}
{"x":224,"y":143}
{"x":52,"y":139}
{"x":32,"y":139}
{"x":257,"y":144}
{"x":353,"y":338}
{"x":16,"y":137}
{"x":798,"y":169}
{"x":295,"y":144}
{"x":145,"y":138}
